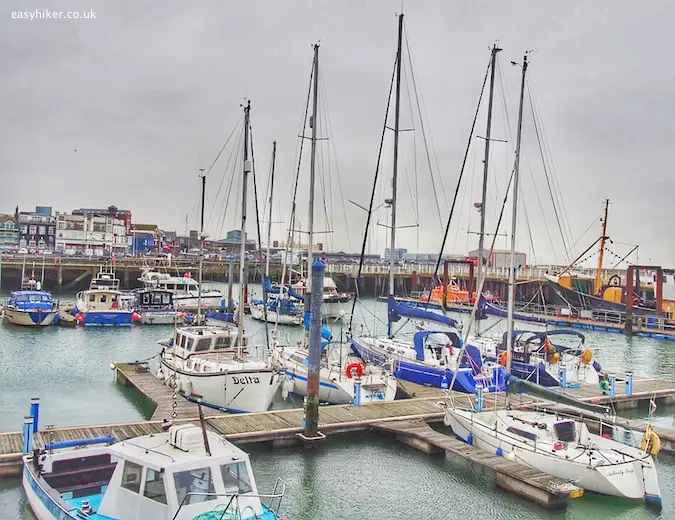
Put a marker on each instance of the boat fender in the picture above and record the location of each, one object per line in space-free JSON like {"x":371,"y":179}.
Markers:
{"x":446,"y":419}
{"x":188,"y":387}
{"x":651,"y":442}
{"x":555,"y":358}
{"x":469,"y":439}
{"x":352,"y":367}
{"x":499,"y":452}
{"x":502,"y":358}
{"x":587,"y":356}
{"x":286,"y":388}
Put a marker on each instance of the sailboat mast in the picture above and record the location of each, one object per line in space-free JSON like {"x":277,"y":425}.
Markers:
{"x":201,"y":248}
{"x":512,"y":269}
{"x":603,"y":238}
{"x":269,"y":223}
{"x":397,"y":114}
{"x":242,"y":251}
{"x":313,"y":122}
{"x":486,"y":159}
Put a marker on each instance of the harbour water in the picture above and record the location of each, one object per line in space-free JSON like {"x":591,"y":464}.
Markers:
{"x":359,"y":476}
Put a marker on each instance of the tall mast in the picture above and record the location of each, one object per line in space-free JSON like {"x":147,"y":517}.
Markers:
{"x":201,"y":248}
{"x":392,"y":245}
{"x":512,"y":270}
{"x":486,"y":159}
{"x":603,"y":238}
{"x":314,"y":122}
{"x":242,"y":252}
{"x":269,"y":223}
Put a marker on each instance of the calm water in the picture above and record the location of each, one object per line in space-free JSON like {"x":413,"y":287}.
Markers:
{"x":356,"y":476}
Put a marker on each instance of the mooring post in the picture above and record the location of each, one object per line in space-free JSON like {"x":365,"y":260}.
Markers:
{"x":27,"y":435}
{"x":311,"y":433}
{"x":35,"y":412}
{"x":629,"y":383}
{"x":479,"y":397}
{"x":357,"y":391}
{"x":612,"y":385}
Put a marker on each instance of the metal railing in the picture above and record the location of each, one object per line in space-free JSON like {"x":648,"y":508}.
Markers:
{"x":233,"y":501}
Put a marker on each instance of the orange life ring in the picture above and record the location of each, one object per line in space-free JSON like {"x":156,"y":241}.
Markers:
{"x":355,"y":366}
{"x":502,"y":359}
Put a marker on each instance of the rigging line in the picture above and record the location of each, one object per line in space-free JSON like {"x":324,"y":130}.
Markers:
{"x":261,"y":264}
{"x":234,"y":181}
{"x":327,"y":172}
{"x":593,"y":223}
{"x":331,"y":141}
{"x":324,"y":172}
{"x":291,"y":227}
{"x":424,"y":135}
{"x":223,"y":147}
{"x":556,"y":179}
{"x":541,"y":206}
{"x":529,"y":232}
{"x":227,"y":165}
{"x":548,"y":180}
{"x":459,"y":182}
{"x":373,"y":191}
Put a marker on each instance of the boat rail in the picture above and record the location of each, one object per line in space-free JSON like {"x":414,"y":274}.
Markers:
{"x":234,"y":501}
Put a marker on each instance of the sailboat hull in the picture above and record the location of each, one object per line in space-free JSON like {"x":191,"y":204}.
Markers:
{"x":417,"y":373}
{"x":258,"y":313}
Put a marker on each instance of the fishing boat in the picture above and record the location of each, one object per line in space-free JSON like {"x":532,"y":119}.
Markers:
{"x":215,"y":364}
{"x":155,"y":307}
{"x":103,"y":304}
{"x":560,"y":447}
{"x":31,"y":307}
{"x":184,"y":473}
{"x":185,"y":289}
{"x":335,"y":304}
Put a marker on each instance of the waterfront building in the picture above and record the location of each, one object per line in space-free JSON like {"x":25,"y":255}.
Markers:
{"x":37,"y":228}
{"x":501,"y":258}
{"x":145,"y":238}
{"x":110,"y":211}
{"x":232,"y":242}
{"x":9,"y":232}
{"x":399,"y":252}
{"x":89,"y":231}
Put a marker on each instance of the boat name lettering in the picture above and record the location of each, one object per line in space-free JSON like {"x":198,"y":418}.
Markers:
{"x":245,"y":380}
{"x":620,"y":472}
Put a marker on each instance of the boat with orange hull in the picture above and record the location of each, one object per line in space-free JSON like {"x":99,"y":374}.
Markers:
{"x":455,"y":294}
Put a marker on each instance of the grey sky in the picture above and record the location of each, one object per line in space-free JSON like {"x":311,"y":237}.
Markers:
{"x":147,"y":88}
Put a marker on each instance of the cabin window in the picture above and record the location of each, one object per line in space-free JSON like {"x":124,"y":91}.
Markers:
{"x":203,"y":344}
{"x":197,"y":481}
{"x":183,"y":341}
{"x":104,"y":298}
{"x":236,"y":478}
{"x":131,"y":476}
{"x":92,"y":297}
{"x":565,"y":431}
{"x":522,"y":433}
{"x":146,"y":299}
{"x":166,"y":299}
{"x":190,"y":343}
{"x":222,"y":342}
{"x":154,"y":486}
{"x":156,"y":299}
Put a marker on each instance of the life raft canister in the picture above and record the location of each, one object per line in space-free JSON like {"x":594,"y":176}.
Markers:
{"x":355,"y":366}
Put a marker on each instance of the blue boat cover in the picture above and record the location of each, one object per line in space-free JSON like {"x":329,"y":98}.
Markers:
{"x":406,"y":310}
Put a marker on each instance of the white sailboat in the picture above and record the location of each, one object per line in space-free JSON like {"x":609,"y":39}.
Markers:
{"x":342,"y":378}
{"x":215,"y":362}
{"x":560,"y":447}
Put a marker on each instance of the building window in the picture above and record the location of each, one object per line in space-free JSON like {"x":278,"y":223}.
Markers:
{"x":42,"y":230}
{"x":33,"y":229}
{"x":154,"y":486}
{"x":51,"y":230}
{"x":24,"y":229}
{"x":131,"y":476}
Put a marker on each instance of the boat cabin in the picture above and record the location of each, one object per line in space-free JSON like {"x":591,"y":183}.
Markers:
{"x":205,"y":339}
{"x":154,"y":299}
{"x":178,"y":285}
{"x":170,"y":475}
{"x":31,"y":301}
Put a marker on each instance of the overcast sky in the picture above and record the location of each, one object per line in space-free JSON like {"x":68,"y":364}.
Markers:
{"x":125,"y":108}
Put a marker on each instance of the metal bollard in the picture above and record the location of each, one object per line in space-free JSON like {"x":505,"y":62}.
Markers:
{"x":479,"y":397}
{"x":27,"y":435}
{"x":357,"y":392}
{"x":629,"y":383}
{"x":612,"y":385}
{"x":35,"y":412}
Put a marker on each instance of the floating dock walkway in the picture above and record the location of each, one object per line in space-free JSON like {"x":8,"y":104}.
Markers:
{"x":547,"y":491}
{"x":406,"y":419}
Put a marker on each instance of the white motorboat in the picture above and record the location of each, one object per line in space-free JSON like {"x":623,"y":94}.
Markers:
{"x":181,"y":474}
{"x":155,"y":307}
{"x":335,"y":304}
{"x":185,"y":290}
{"x":103,"y":304}
{"x":560,"y":447}
{"x":211,"y":362}
{"x":31,"y":306}
{"x":343,"y":378}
